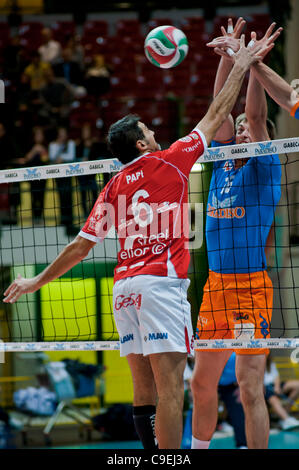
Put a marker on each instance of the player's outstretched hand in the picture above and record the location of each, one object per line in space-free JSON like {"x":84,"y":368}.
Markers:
{"x":231,"y":35}
{"x":226,"y":45}
{"x":246,"y":56}
{"x":269,"y":38}
{"x":19,"y":287}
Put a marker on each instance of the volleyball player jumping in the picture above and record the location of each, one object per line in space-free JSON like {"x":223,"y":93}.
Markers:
{"x":151,"y":310}
{"x":238,"y":295}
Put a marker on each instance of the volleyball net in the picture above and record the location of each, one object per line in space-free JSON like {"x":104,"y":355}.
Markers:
{"x":43,"y":208}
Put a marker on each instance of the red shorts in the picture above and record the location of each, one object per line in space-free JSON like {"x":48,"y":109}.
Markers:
{"x":236,"y":306}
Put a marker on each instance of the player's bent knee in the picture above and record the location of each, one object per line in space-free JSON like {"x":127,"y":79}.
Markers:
{"x":250,"y":395}
{"x":201,"y":390}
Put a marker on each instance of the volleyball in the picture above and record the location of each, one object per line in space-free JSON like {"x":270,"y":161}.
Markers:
{"x":166,"y":46}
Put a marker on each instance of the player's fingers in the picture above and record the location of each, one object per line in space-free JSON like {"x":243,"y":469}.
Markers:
{"x":221,"y":52}
{"x":8,"y":290}
{"x":269,"y":30}
{"x":275,"y":35}
{"x":230,"y":52}
{"x":230,"y":27}
{"x":239,"y":27}
{"x":223,"y":30}
{"x":263,"y":52}
{"x":12,"y":298}
{"x":217,"y":42}
{"x":242,"y":40}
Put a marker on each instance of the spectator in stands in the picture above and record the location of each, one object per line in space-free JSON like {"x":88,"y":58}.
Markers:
{"x":37,"y":155}
{"x":63,"y":150}
{"x":57,"y":96}
{"x":97,"y":78}
{"x":275,"y":392}
{"x":9,"y":159}
{"x":74,"y":44}
{"x":50,"y":50}
{"x":14,"y":61}
{"x":87,"y":149}
{"x":7,"y":149}
{"x":35,"y":73}
{"x":68,"y":69}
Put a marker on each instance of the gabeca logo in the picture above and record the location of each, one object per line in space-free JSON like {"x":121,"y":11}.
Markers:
{"x":265,"y":149}
{"x":32,"y":174}
{"x":214,"y":155}
{"x":74,"y":170}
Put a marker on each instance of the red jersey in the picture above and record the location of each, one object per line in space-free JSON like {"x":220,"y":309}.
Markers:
{"x":147,"y":202}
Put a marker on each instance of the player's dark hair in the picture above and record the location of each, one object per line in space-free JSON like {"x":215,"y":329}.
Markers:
{"x":122,"y":138}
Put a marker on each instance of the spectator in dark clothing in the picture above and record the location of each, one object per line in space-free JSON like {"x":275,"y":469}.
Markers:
{"x":63,"y":150}
{"x":14,"y":59}
{"x":87,"y":149}
{"x":67,"y":68}
{"x":97,"y":78}
{"x":9,"y":160}
{"x":38,"y":155}
{"x":57,"y":96}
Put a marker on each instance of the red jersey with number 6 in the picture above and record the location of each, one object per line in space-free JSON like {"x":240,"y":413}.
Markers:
{"x":147,"y":202}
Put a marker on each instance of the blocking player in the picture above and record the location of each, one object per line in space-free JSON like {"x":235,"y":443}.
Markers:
{"x":151,"y":310}
{"x":238,"y":295}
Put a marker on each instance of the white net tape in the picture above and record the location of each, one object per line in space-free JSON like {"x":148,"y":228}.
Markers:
{"x":114,"y":345}
{"x":256,"y":149}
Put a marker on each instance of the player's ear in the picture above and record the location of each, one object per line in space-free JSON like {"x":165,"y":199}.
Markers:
{"x":141,"y":145}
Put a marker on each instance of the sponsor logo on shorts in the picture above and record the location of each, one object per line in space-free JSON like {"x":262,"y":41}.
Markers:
{"x":244,"y":331}
{"x":237,"y":316}
{"x":127,"y":301}
{"x":264,"y":326}
{"x":156,"y":336}
{"x":127,"y":338}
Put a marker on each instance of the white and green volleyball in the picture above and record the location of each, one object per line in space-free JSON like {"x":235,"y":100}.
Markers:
{"x":166,"y":46}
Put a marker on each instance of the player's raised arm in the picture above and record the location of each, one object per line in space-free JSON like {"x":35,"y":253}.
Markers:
{"x":71,"y":255}
{"x":226,"y":131}
{"x":256,"y":110}
{"x":226,"y":98}
{"x":279,"y":90}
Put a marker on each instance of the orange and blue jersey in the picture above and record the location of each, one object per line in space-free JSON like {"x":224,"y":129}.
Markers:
{"x":295,"y":111}
{"x":240,"y":212}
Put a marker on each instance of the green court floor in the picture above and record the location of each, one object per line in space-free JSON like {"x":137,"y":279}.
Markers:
{"x":278,"y":440}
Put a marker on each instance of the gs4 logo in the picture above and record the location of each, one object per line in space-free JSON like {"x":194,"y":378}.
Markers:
{"x":127,"y":301}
